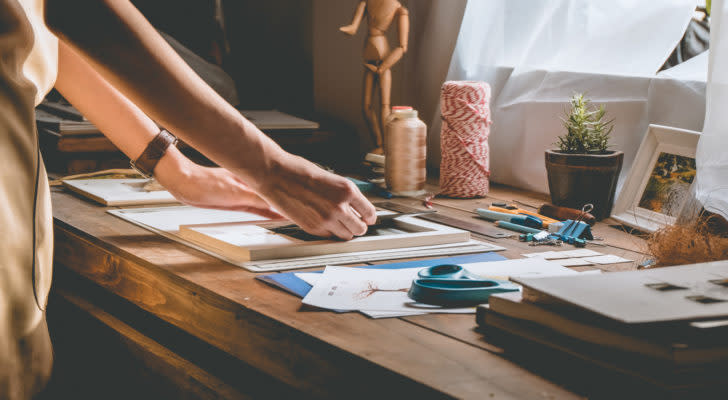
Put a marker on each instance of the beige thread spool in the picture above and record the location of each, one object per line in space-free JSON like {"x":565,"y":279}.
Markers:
{"x":405,"y":152}
{"x":395,"y":109}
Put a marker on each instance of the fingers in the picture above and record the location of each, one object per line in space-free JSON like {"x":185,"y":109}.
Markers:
{"x":356,"y":214}
{"x":353,"y":225}
{"x":361,"y":205}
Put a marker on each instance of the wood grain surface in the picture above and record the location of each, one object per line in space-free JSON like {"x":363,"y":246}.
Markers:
{"x":323,"y":354}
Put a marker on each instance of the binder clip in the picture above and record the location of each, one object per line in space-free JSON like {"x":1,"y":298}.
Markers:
{"x":576,"y":231}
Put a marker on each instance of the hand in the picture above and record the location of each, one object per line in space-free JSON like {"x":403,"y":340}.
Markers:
{"x":321,"y":203}
{"x":348,"y":29}
{"x":371,"y":67}
{"x":205,"y":187}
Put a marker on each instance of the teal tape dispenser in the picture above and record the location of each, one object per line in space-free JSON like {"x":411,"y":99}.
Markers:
{"x":451,"y":285}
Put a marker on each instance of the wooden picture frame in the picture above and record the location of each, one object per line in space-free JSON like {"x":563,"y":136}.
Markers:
{"x":660,"y":178}
{"x":249,"y":241}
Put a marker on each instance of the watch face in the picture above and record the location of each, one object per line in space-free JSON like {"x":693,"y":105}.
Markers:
{"x":139,"y":170}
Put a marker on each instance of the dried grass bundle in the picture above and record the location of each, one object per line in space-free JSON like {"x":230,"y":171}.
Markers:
{"x":701,"y":240}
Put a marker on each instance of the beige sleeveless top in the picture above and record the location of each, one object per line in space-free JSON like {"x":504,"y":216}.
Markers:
{"x":41,"y":66}
{"x":28,"y":68}
{"x":28,"y":71}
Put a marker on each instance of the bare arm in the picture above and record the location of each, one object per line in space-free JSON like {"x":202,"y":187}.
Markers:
{"x":116,"y":40}
{"x":356,"y":21}
{"x":130,"y":130}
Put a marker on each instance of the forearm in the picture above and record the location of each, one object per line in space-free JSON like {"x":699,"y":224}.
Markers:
{"x":118,"y":118}
{"x":356,"y":20}
{"x":403,"y":23}
{"x":392,"y":58}
{"x":127,"y":52}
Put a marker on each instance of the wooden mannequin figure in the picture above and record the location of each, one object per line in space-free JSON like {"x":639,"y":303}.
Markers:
{"x":378,"y":58}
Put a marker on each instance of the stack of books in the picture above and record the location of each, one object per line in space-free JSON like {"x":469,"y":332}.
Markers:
{"x":71,"y":144}
{"x":665,"y":327}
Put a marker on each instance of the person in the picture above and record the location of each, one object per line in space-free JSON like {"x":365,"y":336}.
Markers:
{"x":109,"y":62}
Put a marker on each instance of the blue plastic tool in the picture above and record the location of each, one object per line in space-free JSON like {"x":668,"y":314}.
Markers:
{"x":368,"y":187}
{"x":451,"y":285}
{"x":516,"y":227}
{"x":525,"y":220}
{"x":576,"y":231}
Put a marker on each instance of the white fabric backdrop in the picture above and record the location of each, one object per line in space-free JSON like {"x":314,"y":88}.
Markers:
{"x":536,"y":55}
{"x":712,"y":157}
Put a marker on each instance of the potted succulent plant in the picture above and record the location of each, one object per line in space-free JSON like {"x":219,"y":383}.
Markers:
{"x":583,"y":169}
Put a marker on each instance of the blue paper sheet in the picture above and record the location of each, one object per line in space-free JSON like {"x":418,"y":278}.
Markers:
{"x":289,"y":282}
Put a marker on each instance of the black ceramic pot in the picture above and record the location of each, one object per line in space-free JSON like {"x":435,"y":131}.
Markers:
{"x":577,"y":179}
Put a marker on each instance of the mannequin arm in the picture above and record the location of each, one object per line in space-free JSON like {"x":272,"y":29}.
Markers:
{"x":356,"y":21}
{"x":402,"y":15}
{"x":403,"y":25}
{"x":116,"y":40}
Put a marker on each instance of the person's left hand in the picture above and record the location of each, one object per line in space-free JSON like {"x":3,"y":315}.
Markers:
{"x":207,"y":187}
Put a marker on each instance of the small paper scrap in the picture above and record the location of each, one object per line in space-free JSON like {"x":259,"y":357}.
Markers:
{"x":572,"y":262}
{"x":554,"y":255}
{"x":607,"y":259}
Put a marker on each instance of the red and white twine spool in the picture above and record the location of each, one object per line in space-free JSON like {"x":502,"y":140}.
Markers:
{"x":464,"y":169}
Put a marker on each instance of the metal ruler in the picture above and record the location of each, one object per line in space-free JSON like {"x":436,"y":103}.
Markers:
{"x":472,"y":226}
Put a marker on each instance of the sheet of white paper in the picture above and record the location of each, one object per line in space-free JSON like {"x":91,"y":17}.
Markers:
{"x":519,"y":267}
{"x":344,"y":288}
{"x":553,"y":255}
{"x":312,"y":277}
{"x":607,"y":259}
{"x":309,"y":277}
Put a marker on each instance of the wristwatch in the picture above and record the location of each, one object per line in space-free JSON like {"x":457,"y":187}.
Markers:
{"x":149,"y":158}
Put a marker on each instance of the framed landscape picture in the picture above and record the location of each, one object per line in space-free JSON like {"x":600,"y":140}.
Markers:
{"x":658,"y":184}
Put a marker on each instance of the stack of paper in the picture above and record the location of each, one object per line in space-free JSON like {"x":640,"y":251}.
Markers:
{"x":383,"y":292}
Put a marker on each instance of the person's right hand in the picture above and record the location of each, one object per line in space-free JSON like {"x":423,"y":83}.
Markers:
{"x":320,"y":202}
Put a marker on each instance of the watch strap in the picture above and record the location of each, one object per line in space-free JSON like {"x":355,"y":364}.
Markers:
{"x":149,"y":158}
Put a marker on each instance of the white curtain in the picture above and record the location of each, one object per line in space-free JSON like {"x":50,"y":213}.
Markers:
{"x":712,"y":156}
{"x":537,"y":54}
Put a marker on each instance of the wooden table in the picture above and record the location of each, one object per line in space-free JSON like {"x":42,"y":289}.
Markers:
{"x":209,"y":329}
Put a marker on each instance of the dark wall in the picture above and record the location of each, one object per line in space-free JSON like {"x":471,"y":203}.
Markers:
{"x":270,"y":43}
{"x":191,"y":22}
{"x":271,"y":53}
